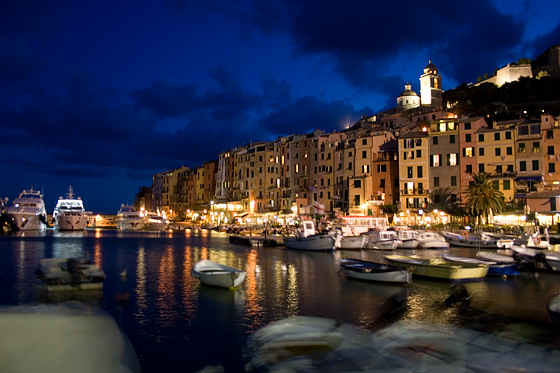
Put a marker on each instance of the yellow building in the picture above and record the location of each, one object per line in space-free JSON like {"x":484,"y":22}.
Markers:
{"x":496,"y":157}
{"x":414,"y":171}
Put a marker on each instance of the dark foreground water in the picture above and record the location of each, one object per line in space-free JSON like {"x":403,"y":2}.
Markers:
{"x":178,"y":325}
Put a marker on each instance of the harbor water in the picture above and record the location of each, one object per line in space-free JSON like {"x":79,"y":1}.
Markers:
{"x":175,"y":324}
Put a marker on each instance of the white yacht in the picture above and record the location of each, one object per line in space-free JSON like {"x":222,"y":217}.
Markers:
{"x":69,"y":213}
{"x":28,"y":211}
{"x":129,"y":219}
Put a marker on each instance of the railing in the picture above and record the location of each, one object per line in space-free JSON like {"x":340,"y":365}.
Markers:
{"x":502,"y":174}
{"x":415,"y":191}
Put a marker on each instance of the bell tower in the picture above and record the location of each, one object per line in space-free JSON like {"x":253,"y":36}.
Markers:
{"x":430,"y":87}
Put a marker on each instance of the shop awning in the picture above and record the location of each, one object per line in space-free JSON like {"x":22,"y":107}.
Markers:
{"x":242,"y":215}
{"x":528,"y":178}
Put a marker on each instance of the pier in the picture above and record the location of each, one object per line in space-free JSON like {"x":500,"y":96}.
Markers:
{"x":260,"y":240}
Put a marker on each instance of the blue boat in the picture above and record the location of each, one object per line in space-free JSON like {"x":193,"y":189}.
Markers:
{"x":494,"y":268}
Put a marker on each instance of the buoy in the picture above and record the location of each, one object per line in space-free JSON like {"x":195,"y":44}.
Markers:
{"x":465,"y":234}
{"x":257,"y":269}
{"x":284,"y":267}
{"x":123,"y":273}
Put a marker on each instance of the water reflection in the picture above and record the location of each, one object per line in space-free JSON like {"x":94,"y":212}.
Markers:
{"x":293,"y":292}
{"x":141,"y":295}
{"x":254,"y":310}
{"x":166,"y":289}
{"x":188,"y":294}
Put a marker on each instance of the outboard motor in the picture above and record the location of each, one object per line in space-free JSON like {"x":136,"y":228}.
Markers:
{"x":540,"y":260}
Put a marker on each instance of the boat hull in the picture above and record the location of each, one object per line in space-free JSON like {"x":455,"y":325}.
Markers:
{"x":319,"y":242}
{"x":68,"y":274}
{"x":440,"y":269}
{"x":66,"y":222}
{"x":369,"y":271}
{"x":215,"y":274}
{"x":28,"y":222}
{"x":353,"y":242}
{"x":130,"y":224}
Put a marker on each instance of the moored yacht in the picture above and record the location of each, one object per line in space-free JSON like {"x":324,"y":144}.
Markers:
{"x":129,"y":219}
{"x":382,"y":240}
{"x":28,"y":211}
{"x":69,"y":213}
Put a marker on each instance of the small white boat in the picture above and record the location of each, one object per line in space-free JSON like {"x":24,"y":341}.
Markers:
{"x":431,"y":240}
{"x":69,"y":213}
{"x":408,"y":238}
{"x":216,"y":274}
{"x":68,"y":274}
{"x":382,"y":240}
{"x":306,"y":238}
{"x":28,"y":212}
{"x":370,"y":271}
{"x":129,"y":219}
{"x":534,"y":241}
{"x":352,"y":242}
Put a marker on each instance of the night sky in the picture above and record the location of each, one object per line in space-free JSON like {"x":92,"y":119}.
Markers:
{"x":103,"y":94}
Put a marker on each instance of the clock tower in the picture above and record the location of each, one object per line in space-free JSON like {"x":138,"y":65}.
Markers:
{"x":430,"y":87}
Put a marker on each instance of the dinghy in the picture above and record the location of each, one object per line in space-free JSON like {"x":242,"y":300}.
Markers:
{"x":364,"y":270}
{"x":216,"y":274}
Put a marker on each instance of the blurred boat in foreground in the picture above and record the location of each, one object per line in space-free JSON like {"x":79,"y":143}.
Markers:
{"x":70,"y":337}
{"x":370,"y":271}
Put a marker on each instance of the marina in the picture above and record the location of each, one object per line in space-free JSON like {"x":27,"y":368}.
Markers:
{"x":174,"y":321}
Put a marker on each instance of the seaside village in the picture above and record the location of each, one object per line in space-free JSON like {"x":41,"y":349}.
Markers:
{"x":411,"y":164}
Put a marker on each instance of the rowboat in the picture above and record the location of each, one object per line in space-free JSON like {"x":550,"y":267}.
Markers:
{"x":216,"y":274}
{"x":69,"y":274}
{"x":439,"y":268}
{"x":541,"y":258}
{"x":364,"y":270}
{"x":494,"y":268}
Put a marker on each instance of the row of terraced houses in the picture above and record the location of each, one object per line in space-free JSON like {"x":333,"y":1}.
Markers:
{"x":416,"y":156}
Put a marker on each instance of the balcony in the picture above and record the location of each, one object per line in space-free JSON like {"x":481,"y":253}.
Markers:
{"x":500,"y":175}
{"x":414,"y":192}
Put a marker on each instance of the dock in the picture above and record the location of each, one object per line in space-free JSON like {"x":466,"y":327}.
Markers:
{"x":260,"y":240}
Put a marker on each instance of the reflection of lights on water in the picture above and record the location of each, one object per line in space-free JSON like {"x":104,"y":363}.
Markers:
{"x":166,"y":289}
{"x":279,"y":290}
{"x":293,"y":292}
{"x":189,"y":296}
{"x":142,"y":299}
{"x":97,"y":254}
{"x":254,"y":310}
{"x":98,"y":233}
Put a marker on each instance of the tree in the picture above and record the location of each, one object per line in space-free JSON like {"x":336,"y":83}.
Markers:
{"x":483,"y":200}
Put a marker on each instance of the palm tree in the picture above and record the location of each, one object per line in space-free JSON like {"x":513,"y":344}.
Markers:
{"x":482,"y":199}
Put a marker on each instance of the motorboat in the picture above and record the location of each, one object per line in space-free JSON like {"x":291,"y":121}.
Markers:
{"x":65,"y":337}
{"x":440,"y":268}
{"x":382,"y":240}
{"x":495,"y":257}
{"x":494,"y":268}
{"x":352,"y":242}
{"x":408,"y":237}
{"x":28,"y":212}
{"x":128,"y":219}
{"x":69,"y":213}
{"x":534,"y":241}
{"x":483,"y":241}
{"x":306,"y":238}
{"x":370,"y":271}
{"x":309,"y":344}
{"x":68,"y":274}
{"x":216,"y":274}
{"x":431,"y":240}
{"x":354,"y":225}
{"x":155,"y":222}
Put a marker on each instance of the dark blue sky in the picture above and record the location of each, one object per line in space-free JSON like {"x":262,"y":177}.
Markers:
{"x":101,"y":95}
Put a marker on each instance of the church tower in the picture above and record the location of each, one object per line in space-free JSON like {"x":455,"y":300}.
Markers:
{"x":408,"y":99}
{"x":430,"y":87}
